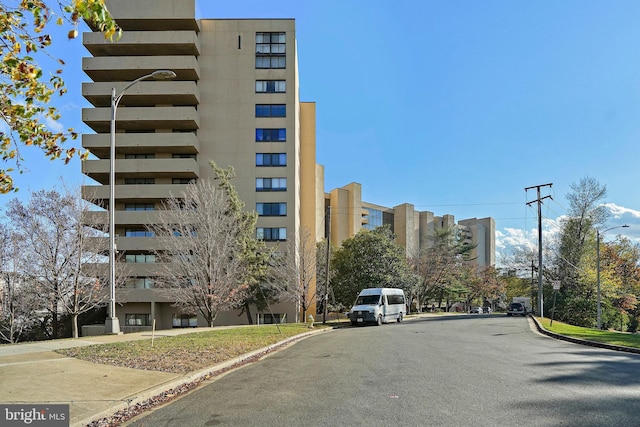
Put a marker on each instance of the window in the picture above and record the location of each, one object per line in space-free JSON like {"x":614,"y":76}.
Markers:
{"x":189,"y":232}
{"x":271,"y":86}
{"x":140,"y":156}
{"x":270,"y":50}
{"x":267,"y":43}
{"x":271,"y":135}
{"x":270,"y":62}
{"x":141,"y":258}
{"x":137,"y":320}
{"x":139,"y":283}
{"x":271,"y":209}
{"x":395,"y":299}
{"x":135,"y":181}
{"x":271,"y":159}
{"x":184,"y":321}
{"x":271,"y":234}
{"x":271,"y":184}
{"x":137,"y":232}
{"x":183,"y":181}
{"x":183,"y":156}
{"x":271,"y":110}
{"x":268,"y":318}
{"x":139,"y":207}
{"x":374,"y":218}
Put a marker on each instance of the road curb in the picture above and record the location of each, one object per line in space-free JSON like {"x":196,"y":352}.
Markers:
{"x":544,"y":331}
{"x":173,"y":388}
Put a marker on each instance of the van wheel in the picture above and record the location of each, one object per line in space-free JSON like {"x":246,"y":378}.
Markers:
{"x":379,"y":321}
{"x":400,"y":318}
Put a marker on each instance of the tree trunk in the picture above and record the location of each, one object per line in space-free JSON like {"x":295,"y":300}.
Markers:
{"x":74,"y":326}
{"x":54,"y":316}
{"x":247,"y":310}
{"x":440,"y":296}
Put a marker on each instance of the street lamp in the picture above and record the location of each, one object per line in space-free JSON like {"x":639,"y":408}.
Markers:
{"x":598,"y":233}
{"x":112,"y":325}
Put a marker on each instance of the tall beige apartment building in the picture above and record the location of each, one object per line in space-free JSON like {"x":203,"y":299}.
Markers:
{"x":234,"y":100}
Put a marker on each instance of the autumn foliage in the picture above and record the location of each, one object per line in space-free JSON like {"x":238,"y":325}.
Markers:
{"x":26,"y":91}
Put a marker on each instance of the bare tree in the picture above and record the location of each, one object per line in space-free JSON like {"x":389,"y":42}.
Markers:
{"x":58,"y":246}
{"x":324,"y":293}
{"x":203,"y":269}
{"x":86,"y":288}
{"x":17,"y":303}
{"x":294,"y":271}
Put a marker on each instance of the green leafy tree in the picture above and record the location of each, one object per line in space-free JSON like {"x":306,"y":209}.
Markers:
{"x":441,"y":265}
{"x":485,"y":286}
{"x":254,"y":255}
{"x":619,"y":279}
{"x":576,"y":302}
{"x":370,"y":259}
{"x":26,"y":91}
{"x":518,"y":286}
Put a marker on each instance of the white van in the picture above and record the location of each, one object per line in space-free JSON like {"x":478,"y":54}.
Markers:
{"x":378,"y":305}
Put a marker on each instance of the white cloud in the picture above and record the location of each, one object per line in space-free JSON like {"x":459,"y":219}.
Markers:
{"x":515,"y":240}
{"x":621,"y":211}
{"x":54,"y":125}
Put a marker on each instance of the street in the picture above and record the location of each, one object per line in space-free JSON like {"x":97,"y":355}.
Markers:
{"x":459,"y":370}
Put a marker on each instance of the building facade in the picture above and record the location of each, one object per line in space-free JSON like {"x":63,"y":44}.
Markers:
{"x":234,"y":101}
{"x":349,"y":214}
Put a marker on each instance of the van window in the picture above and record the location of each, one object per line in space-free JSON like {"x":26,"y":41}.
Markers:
{"x":395,"y":299}
{"x":368,"y":300}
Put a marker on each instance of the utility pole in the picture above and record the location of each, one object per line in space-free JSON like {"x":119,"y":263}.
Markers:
{"x":539,"y":201}
{"x":533,"y":267}
{"x":326,"y":279}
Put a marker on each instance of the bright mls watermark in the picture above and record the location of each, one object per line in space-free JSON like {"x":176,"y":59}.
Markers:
{"x":34,"y":415}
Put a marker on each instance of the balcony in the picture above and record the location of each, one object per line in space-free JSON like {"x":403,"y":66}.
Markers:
{"x":144,"y":93}
{"x":142,"y":118}
{"x":144,"y":43}
{"x":129,"y":143}
{"x":150,"y":15}
{"x":132,"y":193}
{"x":129,"y":68}
{"x":140,"y":244}
{"x":124,"y":218}
{"x":135,"y":168}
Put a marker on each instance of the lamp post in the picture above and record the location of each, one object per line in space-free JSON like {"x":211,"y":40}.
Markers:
{"x":598,"y":233}
{"x":112,"y":324}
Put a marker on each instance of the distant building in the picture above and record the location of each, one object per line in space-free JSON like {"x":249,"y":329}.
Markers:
{"x":350,"y":214}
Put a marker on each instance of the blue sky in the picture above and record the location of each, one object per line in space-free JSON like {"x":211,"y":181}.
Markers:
{"x":454,"y":106}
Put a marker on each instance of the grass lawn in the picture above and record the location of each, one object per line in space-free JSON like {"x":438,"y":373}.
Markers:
{"x":187,"y":353}
{"x":615,"y":338}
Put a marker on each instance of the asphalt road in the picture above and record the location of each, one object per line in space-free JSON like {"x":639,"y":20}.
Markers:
{"x":469,"y":370}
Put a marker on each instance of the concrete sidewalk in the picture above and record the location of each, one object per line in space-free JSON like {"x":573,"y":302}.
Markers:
{"x":32,"y":373}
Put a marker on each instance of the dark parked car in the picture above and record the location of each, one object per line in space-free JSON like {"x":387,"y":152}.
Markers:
{"x":516,"y":308}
